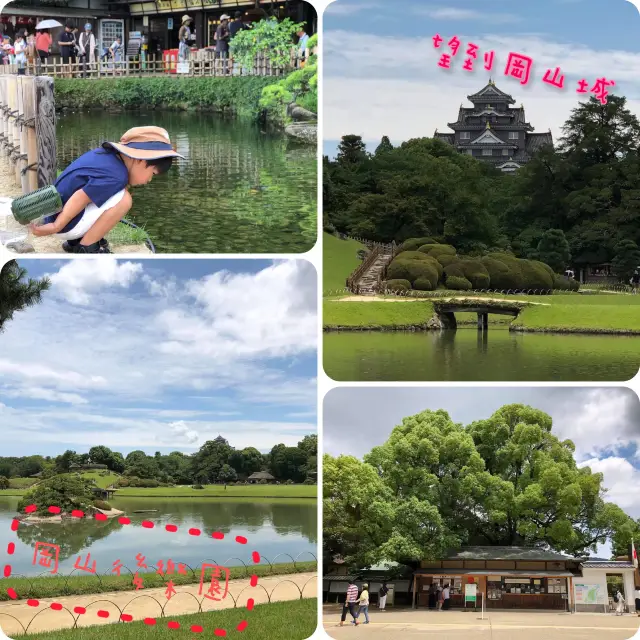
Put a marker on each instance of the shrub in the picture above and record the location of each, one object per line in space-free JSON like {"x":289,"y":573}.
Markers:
{"x":476,"y":273}
{"x":4,"y":482}
{"x":504,"y":271}
{"x":436,"y":250}
{"x":101,"y":504}
{"x":561,"y":283}
{"x":446,"y":259}
{"x":198,"y":486}
{"x":309,"y":481}
{"x":65,"y":491}
{"x":263,"y":481}
{"x":535,"y":276}
{"x":289,"y":481}
{"x":424,"y":284}
{"x":454,"y":269}
{"x":397,"y":285}
{"x":546,"y":267}
{"x":413,"y":244}
{"x":412,"y":255}
{"x":458,"y":284}
{"x":134,"y":481}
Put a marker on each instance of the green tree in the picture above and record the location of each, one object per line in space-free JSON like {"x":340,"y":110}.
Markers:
{"x":309,"y":444}
{"x":210,"y":459}
{"x":101,"y":455}
{"x":504,"y":481}
{"x":384,"y":146}
{"x":626,"y":260}
{"x":553,"y":249}
{"x":65,"y":460}
{"x":29,"y":466}
{"x":227,"y":474}
{"x":4,"y":482}
{"x":351,"y":150}
{"x":253,"y":460}
{"x":17,"y":292}
{"x":67,"y":491}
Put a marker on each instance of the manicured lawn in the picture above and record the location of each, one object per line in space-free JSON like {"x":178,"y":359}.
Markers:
{"x":294,"y":620}
{"x":13,"y":492}
{"x":339,"y":260}
{"x":598,"y":318}
{"x":373,"y":315}
{"x":570,"y":312}
{"x":21,"y":483}
{"x":51,"y":586}
{"x":102,"y":481}
{"x":218,"y":491}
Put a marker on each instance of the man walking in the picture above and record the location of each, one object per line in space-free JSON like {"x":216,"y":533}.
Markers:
{"x":382,"y":595}
{"x":446,"y":598}
{"x":350,"y":604}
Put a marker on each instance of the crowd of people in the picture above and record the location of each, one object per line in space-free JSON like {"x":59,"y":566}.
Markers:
{"x":74,"y":47}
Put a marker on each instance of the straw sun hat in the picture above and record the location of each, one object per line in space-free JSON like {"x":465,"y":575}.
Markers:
{"x":144,"y":143}
{"x":186,"y":18}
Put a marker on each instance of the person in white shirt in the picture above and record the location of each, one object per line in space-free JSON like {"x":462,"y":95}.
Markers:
{"x":446,"y":595}
{"x":619,"y":600}
{"x":87,"y":48}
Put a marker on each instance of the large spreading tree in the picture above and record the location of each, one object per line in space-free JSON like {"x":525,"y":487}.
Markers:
{"x":436,"y":485}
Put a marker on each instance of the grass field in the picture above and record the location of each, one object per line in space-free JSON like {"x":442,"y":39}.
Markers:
{"x":22,"y":483}
{"x":218,"y":491}
{"x":600,"y":313}
{"x":374,"y":315}
{"x":102,"y":481}
{"x":254,"y":491}
{"x":339,"y":260}
{"x":605,"y":318}
{"x":294,"y":620}
{"x":51,"y":586}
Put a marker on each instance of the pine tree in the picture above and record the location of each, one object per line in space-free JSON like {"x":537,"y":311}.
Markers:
{"x":384,"y":146}
{"x":626,"y":260}
{"x":17,"y":292}
{"x":553,"y":249}
{"x":351,"y":150}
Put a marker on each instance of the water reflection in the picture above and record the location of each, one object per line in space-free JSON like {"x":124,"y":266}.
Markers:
{"x":240,"y":190}
{"x":274,"y":529}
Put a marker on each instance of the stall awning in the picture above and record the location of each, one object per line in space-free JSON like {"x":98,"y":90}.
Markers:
{"x":494,"y":572}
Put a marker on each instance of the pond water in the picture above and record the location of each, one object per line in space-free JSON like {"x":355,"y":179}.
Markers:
{"x":271,"y":527}
{"x":240,"y":190}
{"x":466,"y":354}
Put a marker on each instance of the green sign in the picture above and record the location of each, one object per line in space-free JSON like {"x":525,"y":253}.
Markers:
{"x":470,"y":593}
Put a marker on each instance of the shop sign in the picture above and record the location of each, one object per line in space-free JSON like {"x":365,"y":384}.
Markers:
{"x":470,"y":593}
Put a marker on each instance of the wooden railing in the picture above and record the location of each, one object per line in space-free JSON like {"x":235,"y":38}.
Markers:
{"x":201,"y":63}
{"x":354,"y":278}
{"x":28,"y":130}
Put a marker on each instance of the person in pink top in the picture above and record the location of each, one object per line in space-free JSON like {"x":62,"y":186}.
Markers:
{"x":43,"y":44}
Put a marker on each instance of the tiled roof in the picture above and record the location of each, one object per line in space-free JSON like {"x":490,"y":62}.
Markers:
{"x":496,"y":92}
{"x":535,"y":141}
{"x":607,"y":564}
{"x":506,"y":553}
{"x":446,"y":137}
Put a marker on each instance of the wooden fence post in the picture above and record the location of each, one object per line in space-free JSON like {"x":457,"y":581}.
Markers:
{"x":45,"y":114}
{"x":32,"y":144}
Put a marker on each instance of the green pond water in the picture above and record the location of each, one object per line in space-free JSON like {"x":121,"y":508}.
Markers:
{"x":272,"y":528}
{"x":240,"y":189}
{"x":466,"y":354}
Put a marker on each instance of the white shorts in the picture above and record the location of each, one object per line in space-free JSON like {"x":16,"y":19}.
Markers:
{"x":90,"y":217}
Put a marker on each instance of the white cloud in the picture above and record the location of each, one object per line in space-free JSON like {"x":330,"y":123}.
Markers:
{"x":268,"y":314}
{"x":38,"y":393}
{"x":49,"y":374}
{"x":344,"y":8}
{"x":407,"y":95}
{"x":181,"y":430}
{"x":621,"y":480}
{"x":453,"y":13}
{"x":78,"y":280}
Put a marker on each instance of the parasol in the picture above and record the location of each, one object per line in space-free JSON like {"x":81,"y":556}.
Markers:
{"x":48,"y":24}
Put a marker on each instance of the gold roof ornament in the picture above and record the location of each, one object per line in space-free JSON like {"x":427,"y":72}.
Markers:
{"x":488,"y":125}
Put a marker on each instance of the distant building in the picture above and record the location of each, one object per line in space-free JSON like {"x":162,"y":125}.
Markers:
{"x":495,"y":132}
{"x":260,"y":475}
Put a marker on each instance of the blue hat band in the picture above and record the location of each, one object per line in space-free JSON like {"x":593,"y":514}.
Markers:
{"x":150,"y":146}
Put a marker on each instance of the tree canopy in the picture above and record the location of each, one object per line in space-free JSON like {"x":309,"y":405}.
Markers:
{"x":215,"y":461}
{"x":17,"y":292}
{"x":435,"y":485}
{"x":588,"y":188}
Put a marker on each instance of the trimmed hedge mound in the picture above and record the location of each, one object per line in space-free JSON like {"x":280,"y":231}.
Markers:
{"x":434,"y":264}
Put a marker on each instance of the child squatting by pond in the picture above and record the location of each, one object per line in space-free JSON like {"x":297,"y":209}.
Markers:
{"x":94,"y":188}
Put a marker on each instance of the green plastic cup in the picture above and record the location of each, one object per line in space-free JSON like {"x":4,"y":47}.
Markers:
{"x":37,"y":204}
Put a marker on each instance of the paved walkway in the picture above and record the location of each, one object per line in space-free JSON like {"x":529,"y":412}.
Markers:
{"x":500,"y":625}
{"x":147,"y":603}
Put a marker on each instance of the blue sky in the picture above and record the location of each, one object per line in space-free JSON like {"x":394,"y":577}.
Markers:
{"x":382,"y":77}
{"x":161,"y":355}
{"x":603,"y":423}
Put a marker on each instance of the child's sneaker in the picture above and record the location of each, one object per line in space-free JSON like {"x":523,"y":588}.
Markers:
{"x":76,"y":247}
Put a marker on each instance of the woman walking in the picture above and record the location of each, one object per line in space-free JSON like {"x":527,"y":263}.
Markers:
{"x":439,"y":598}
{"x":619,"y":599}
{"x":364,"y":603}
{"x":43,"y":45}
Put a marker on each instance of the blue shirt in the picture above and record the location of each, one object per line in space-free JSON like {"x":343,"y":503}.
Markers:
{"x":302,"y":43}
{"x":99,"y":173}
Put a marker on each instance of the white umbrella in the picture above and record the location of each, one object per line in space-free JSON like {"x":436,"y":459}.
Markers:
{"x":48,"y":24}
